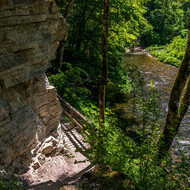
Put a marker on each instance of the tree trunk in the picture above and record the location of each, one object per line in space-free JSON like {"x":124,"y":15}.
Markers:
{"x":104,"y":68}
{"x":82,"y":27}
{"x":68,"y":8}
{"x":62,"y":42}
{"x":177,"y":107}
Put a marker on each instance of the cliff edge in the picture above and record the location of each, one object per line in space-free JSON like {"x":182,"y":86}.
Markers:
{"x":29,"y":109}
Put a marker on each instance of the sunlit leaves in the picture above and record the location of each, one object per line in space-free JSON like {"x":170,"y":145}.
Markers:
{"x":167,"y":18}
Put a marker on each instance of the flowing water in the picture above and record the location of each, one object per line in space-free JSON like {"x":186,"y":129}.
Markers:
{"x":163,"y":76}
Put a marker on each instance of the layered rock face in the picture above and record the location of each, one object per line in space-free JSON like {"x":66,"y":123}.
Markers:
{"x":29,"y":109}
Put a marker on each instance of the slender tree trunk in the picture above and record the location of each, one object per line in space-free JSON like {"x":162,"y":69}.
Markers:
{"x":104,"y":68}
{"x":178,"y":105}
{"x":82,"y":27}
{"x":61,"y":51}
{"x":62,"y":42}
{"x":86,"y":44}
{"x":68,"y":8}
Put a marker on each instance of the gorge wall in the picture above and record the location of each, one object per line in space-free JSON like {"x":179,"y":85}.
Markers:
{"x":29,"y":109}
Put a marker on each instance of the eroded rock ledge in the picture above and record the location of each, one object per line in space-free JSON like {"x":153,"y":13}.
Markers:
{"x":29,"y":109}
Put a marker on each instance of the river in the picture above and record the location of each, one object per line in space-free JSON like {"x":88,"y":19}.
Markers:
{"x":163,"y":76}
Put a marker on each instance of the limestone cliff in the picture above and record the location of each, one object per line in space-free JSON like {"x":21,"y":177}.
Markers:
{"x":29,"y":109}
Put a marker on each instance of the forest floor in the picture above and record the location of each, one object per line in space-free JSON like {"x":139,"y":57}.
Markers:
{"x":62,"y":171}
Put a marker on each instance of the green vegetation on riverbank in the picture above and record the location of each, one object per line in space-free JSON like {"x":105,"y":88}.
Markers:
{"x":167,"y":36}
{"x":172,"y":53}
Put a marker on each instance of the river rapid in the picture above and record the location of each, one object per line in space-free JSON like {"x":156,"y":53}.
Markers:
{"x":163,"y":76}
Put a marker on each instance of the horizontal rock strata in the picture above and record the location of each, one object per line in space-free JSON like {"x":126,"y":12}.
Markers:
{"x":29,"y":110}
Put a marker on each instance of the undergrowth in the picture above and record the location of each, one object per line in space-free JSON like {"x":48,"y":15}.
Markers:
{"x":172,"y":53}
{"x":112,"y":147}
{"x":9,"y":183}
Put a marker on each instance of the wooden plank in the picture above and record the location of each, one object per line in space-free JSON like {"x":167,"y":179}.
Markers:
{"x":67,"y":114}
{"x":78,"y":125}
{"x":74,"y":120}
{"x":74,"y":110}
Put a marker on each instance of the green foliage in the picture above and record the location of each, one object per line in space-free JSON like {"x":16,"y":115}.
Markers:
{"x":151,"y":22}
{"x":155,"y":47}
{"x":70,"y":83}
{"x":116,"y":73}
{"x":106,"y":180}
{"x":126,"y":22}
{"x":84,"y":41}
{"x":167,"y":19}
{"x":126,"y":155}
{"x":133,"y":156}
{"x":172,"y":53}
{"x":12,"y":184}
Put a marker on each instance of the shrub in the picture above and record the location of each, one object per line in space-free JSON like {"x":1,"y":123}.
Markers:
{"x":172,"y":53}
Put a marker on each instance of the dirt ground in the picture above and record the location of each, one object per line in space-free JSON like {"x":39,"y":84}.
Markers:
{"x":61,"y":171}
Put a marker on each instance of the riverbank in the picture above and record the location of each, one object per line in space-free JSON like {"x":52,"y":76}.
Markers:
{"x":172,"y":53}
{"x":162,"y":53}
{"x":163,"y":76}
